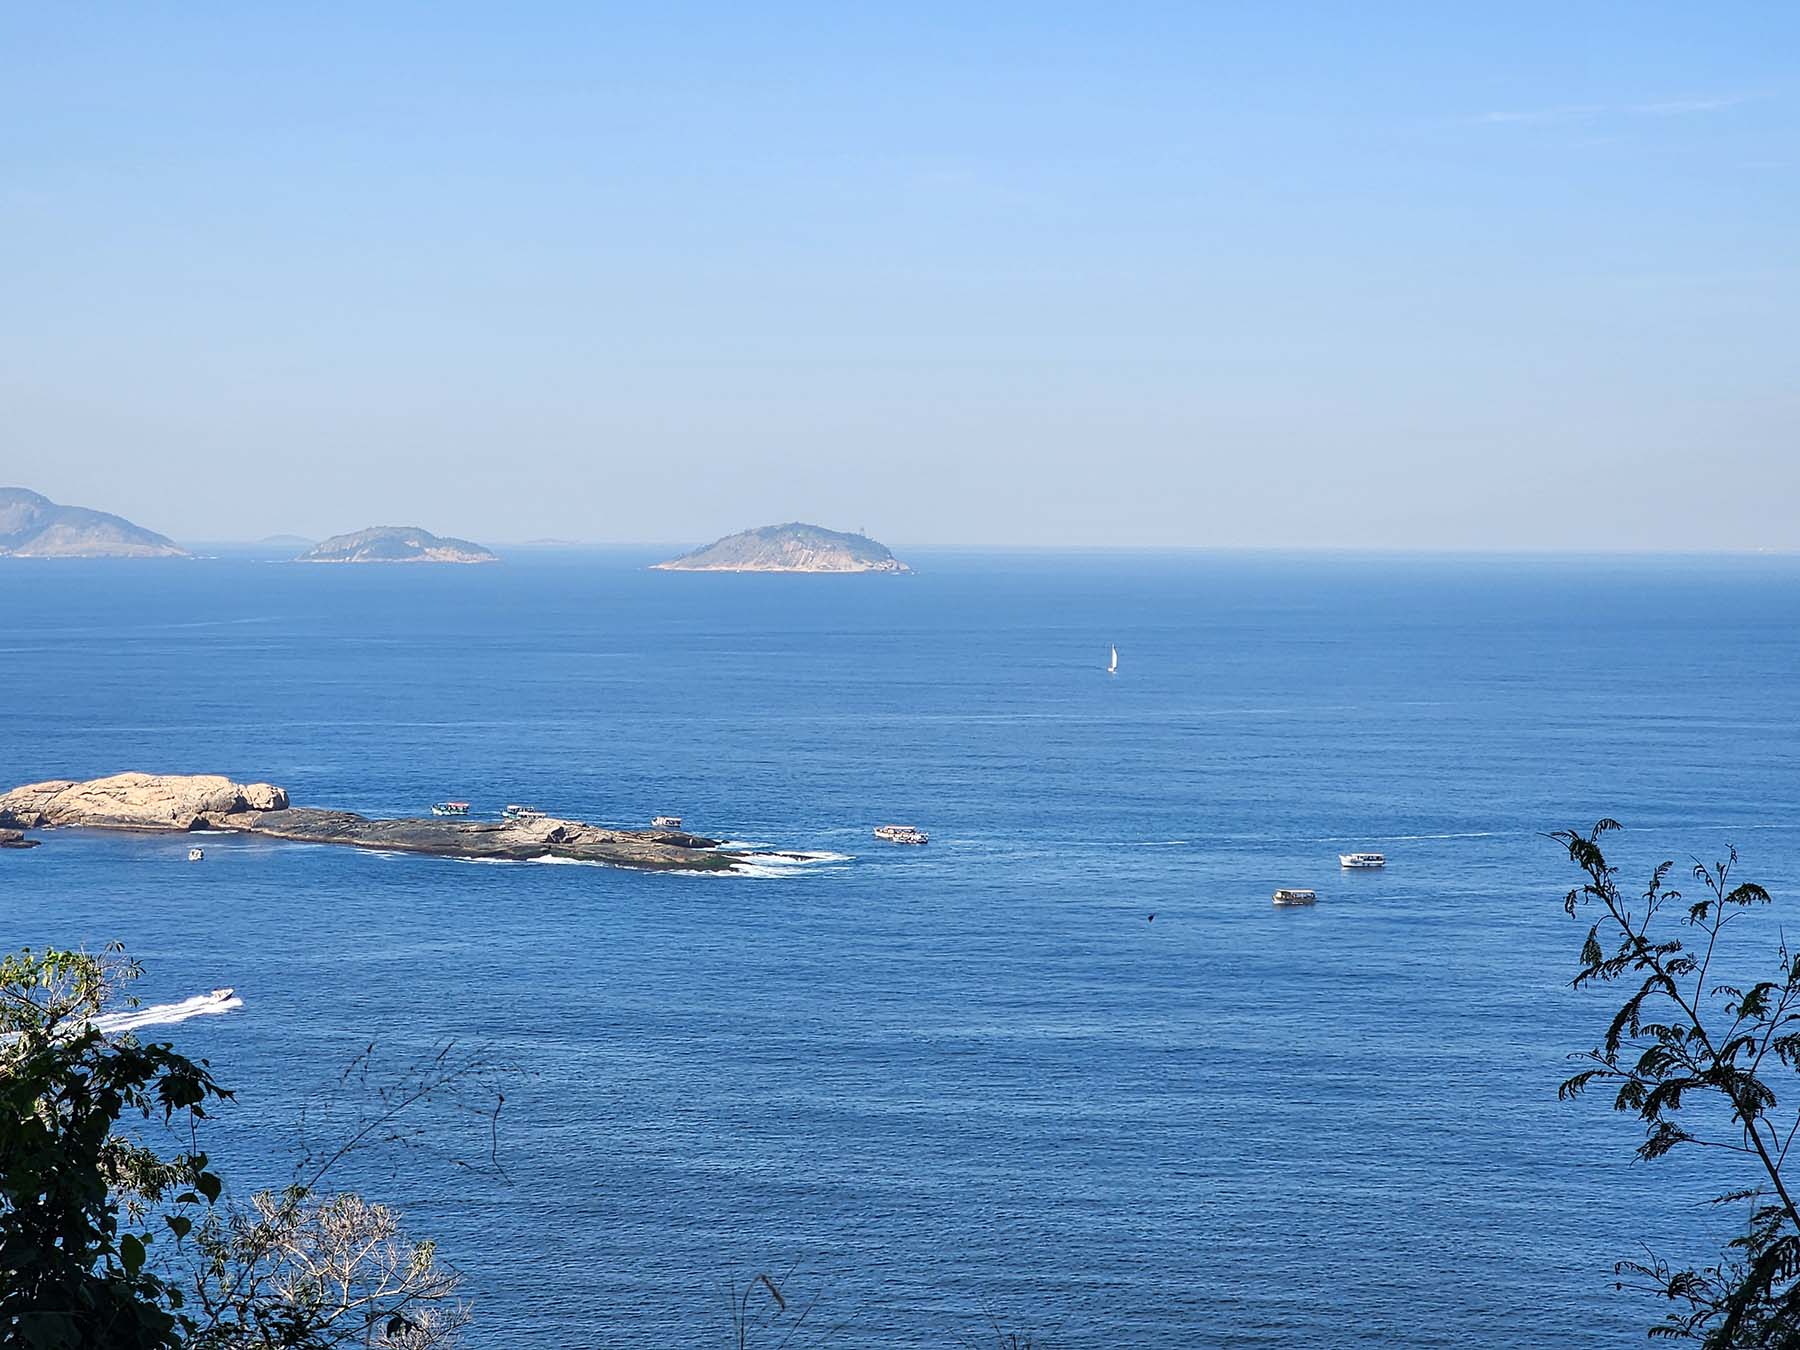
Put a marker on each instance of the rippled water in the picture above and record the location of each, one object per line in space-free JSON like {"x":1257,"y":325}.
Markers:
{"x":934,"y":1085}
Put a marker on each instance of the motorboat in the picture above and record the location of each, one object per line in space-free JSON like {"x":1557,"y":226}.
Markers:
{"x":1362,"y":861}
{"x":902,"y":834}
{"x":1295,"y":895}
{"x":196,"y":854}
{"x":222,"y":993}
{"x":666,"y":822}
{"x":449,"y":808}
{"x":514,"y":811}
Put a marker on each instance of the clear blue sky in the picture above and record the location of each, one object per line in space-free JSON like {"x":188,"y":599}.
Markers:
{"x":1432,"y":275}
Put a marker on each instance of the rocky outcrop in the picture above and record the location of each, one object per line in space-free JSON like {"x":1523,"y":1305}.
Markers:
{"x":137,"y":801}
{"x":33,"y":526}
{"x":517,"y":841}
{"x":396,"y":544}
{"x":793,"y":547}
{"x":16,"y":839}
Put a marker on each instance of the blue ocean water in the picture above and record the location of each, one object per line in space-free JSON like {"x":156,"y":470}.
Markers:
{"x":972,"y":1084}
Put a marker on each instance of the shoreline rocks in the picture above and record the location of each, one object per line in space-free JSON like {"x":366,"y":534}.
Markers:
{"x":16,"y":839}
{"x":176,"y":803}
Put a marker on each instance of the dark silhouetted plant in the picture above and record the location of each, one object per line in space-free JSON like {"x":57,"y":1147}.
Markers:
{"x":1699,"y":1063}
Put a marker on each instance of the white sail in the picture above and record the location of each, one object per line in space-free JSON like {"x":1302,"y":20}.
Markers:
{"x":1113,"y":669}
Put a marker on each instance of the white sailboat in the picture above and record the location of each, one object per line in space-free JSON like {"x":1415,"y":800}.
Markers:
{"x":1113,"y":669}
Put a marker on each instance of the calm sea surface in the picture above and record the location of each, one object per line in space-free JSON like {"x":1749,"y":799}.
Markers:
{"x":937,"y":1086}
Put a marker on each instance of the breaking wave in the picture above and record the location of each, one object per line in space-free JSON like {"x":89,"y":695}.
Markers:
{"x":789,"y":863}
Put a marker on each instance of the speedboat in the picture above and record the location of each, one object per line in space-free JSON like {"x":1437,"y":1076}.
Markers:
{"x":666,"y":822}
{"x":1362,"y":861}
{"x":516,"y":812}
{"x":1295,"y":895}
{"x":902,"y":834}
{"x":222,"y":993}
{"x":196,"y":854}
{"x":449,"y":808}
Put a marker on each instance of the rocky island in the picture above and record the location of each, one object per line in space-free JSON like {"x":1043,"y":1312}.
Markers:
{"x":396,"y":544}
{"x":33,"y":526}
{"x":181,"y":802}
{"x":793,"y":547}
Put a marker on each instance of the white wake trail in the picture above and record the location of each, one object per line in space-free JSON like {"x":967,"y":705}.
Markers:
{"x":166,"y":1014}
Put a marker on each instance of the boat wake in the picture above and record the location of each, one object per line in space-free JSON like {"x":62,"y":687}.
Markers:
{"x":166,"y":1014}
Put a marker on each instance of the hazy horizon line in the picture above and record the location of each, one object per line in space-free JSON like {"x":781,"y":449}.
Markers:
{"x":547,"y":545}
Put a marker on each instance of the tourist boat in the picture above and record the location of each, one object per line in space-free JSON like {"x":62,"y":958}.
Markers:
{"x":666,"y":822}
{"x":902,"y":834}
{"x":1295,"y":895}
{"x":1113,"y":669}
{"x":514,"y":811}
{"x":196,"y":854}
{"x":449,"y":808}
{"x":1362,"y":861}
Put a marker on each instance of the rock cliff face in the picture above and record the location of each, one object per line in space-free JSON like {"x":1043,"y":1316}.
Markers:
{"x":793,"y":547}
{"x":16,"y":839}
{"x":396,"y":544}
{"x":33,"y":526}
{"x":139,"y":801}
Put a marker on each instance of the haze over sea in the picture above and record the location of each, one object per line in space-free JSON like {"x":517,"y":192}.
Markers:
{"x":972,"y":1078}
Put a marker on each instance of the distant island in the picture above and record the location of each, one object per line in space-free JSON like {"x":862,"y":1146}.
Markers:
{"x":396,"y":544}
{"x":793,"y":547}
{"x":33,"y":526}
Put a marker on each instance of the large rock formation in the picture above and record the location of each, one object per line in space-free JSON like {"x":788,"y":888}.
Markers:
{"x":139,"y":801}
{"x":793,"y":547}
{"x":33,"y":526}
{"x":396,"y":544}
{"x":136,"y":801}
{"x":16,"y":839}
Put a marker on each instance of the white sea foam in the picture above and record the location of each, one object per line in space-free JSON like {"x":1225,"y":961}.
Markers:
{"x":165,"y":1014}
{"x":789,"y":863}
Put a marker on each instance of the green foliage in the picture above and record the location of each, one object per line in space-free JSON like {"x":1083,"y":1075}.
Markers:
{"x":1698,"y":1064}
{"x":76,"y":1197}
{"x":105,"y":1244}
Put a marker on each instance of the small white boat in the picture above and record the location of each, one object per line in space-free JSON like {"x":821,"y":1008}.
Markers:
{"x":1295,"y":895}
{"x":516,"y":812}
{"x":449,"y":808}
{"x":196,"y":854}
{"x":666,"y":822}
{"x":1362,"y":861}
{"x":222,"y":993}
{"x":1113,"y":669}
{"x":902,"y":834}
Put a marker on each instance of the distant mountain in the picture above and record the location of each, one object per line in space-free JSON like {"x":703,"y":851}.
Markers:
{"x":396,"y":544}
{"x":793,"y":547}
{"x":33,"y":526}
